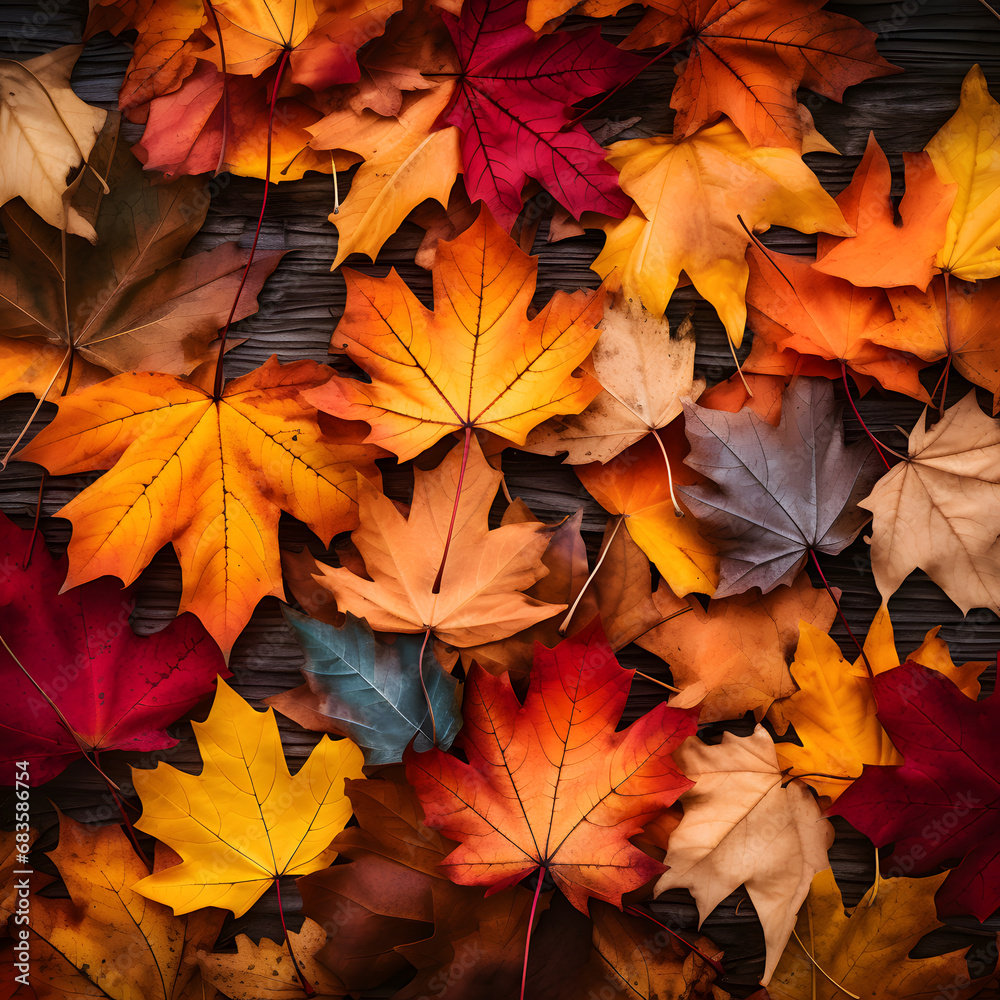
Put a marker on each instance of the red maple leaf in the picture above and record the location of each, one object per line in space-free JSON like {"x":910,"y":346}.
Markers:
{"x":941,"y":806}
{"x":550,"y":784}
{"x":117,"y":690}
{"x":513,"y":104}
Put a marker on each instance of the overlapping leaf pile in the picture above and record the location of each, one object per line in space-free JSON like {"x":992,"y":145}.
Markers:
{"x":511,"y":838}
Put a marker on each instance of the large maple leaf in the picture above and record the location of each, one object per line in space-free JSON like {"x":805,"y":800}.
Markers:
{"x":748,"y":59}
{"x":743,"y":825}
{"x":513,"y":103}
{"x":128,"y":304}
{"x":476,"y":361}
{"x":690,"y":195}
{"x":107,"y":939}
{"x":869,"y":947}
{"x":549,"y":784}
{"x":478,"y":597}
{"x":937,"y":510}
{"x":245,"y":821}
{"x":209,"y":475}
{"x":941,"y":804}
{"x":777,"y":492}
{"x":115,"y":689}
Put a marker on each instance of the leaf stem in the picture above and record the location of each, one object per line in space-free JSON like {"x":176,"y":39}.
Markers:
{"x":947,"y":332}
{"x":662,"y":684}
{"x":225,"y":91}
{"x":303,"y":982}
{"x":850,"y":399}
{"x":129,"y":829}
{"x":436,"y":589}
{"x":531,"y":924}
{"x":423,"y":687}
{"x":217,"y":388}
{"x":34,"y":413}
{"x":714,"y":963}
{"x":38,"y":517}
{"x":670,"y":479}
{"x":564,"y":625}
{"x":816,"y":964}
{"x":833,"y":597}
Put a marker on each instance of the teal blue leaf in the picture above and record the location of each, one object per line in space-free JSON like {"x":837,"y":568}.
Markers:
{"x":370,"y":690}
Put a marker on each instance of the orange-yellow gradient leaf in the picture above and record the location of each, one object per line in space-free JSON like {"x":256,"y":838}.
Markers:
{"x":210,"y":476}
{"x":475,"y":360}
{"x":244,"y":821}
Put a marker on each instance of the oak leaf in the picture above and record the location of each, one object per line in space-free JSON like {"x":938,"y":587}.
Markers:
{"x":531,"y":796}
{"x":742,"y":825}
{"x":777,"y":493}
{"x":379,"y":693}
{"x":107,"y":939}
{"x":748,"y":58}
{"x":690,"y":195}
{"x":479,"y":598}
{"x":644,"y":372}
{"x":476,"y":361}
{"x":964,"y":152}
{"x":939,"y":805}
{"x":210,"y":476}
{"x":824,"y":326}
{"x":130,"y":303}
{"x":936,"y":510}
{"x":868,"y":949}
{"x":885,"y":253}
{"x":637,"y":487}
{"x":513,"y":104}
{"x":46,"y":133}
{"x":116,"y":690}
{"x":244,"y":821}
{"x":731,"y":657}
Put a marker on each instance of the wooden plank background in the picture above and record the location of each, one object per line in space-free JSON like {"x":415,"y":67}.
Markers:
{"x":934,"y":41}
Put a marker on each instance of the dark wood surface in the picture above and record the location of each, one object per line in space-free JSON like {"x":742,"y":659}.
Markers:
{"x":934,"y":41}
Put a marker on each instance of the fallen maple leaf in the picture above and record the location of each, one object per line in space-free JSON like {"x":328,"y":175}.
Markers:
{"x":885,"y":253}
{"x":264,"y":970}
{"x":475,"y":361}
{"x":741,"y":826}
{"x":479,"y":598}
{"x":964,"y":152}
{"x":644,"y":372}
{"x":532,"y":796}
{"x":209,"y":475}
{"x":378,"y":693}
{"x":244,"y":821}
{"x":115,"y":689}
{"x":128,"y":304}
{"x":513,"y":104}
{"x":107,"y":939}
{"x":869,"y":948}
{"x":731,"y":657}
{"x":636,"y":486}
{"x":777,"y":493}
{"x":939,"y":805}
{"x":46,"y":133}
{"x":690,"y":196}
{"x":748,"y":59}
{"x":799,"y":313}
{"x":936,"y":510}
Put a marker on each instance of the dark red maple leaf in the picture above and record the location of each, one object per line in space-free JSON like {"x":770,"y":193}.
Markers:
{"x":513,"y":104}
{"x":116,"y":689}
{"x":941,"y":806}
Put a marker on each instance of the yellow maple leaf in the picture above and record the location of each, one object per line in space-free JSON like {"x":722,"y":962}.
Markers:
{"x":244,"y":821}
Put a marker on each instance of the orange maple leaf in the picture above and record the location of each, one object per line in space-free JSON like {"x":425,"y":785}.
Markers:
{"x":209,"y":475}
{"x":475,"y":361}
{"x":549,"y":784}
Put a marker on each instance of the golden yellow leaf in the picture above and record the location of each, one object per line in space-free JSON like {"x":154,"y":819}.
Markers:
{"x":244,"y":821}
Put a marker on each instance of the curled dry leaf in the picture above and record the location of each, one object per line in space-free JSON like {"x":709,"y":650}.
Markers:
{"x":777,"y":493}
{"x":479,"y":598}
{"x":244,"y":821}
{"x":476,"y":361}
{"x":532,"y":796}
{"x":742,"y":826}
{"x":209,"y":475}
{"x":690,"y":196}
{"x":938,"y":509}
{"x":644,"y":373}
{"x":46,"y":132}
